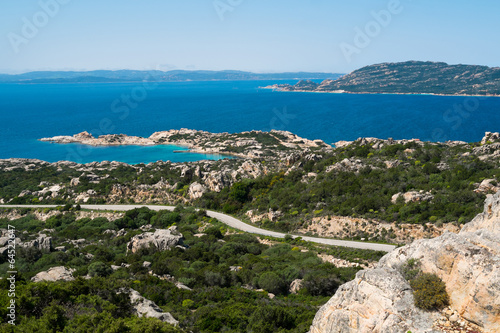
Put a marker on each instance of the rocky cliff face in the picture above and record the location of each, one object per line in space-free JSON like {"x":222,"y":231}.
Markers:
{"x":381,"y":300}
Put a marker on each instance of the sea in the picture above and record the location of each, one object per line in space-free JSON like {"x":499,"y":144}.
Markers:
{"x":29,"y":112}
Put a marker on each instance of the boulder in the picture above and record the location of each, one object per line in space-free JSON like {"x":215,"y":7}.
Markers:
{"x":145,"y":308}
{"x":163,"y":239}
{"x":55,"y":274}
{"x":295,"y":286}
{"x":196,"y":190}
{"x":215,"y":181}
{"x":413,"y":196}
{"x":376,"y":301}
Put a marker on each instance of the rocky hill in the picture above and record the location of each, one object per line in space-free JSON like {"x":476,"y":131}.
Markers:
{"x":411,"y":77}
{"x":381,"y":300}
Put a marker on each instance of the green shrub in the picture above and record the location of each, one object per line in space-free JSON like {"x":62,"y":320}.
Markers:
{"x":429,"y":292}
{"x":410,"y":269}
{"x":99,"y":268}
{"x":272,"y":283}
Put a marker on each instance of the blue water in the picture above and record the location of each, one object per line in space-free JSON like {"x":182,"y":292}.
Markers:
{"x":29,"y":112}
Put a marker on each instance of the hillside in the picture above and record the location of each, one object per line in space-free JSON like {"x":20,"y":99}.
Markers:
{"x":155,"y":76}
{"x":411,"y":77}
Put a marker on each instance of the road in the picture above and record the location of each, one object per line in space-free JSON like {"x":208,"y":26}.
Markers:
{"x":232,"y":222}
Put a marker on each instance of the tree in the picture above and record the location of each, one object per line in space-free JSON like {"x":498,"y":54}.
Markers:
{"x":99,"y":268}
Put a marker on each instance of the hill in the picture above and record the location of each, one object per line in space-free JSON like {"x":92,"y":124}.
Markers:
{"x":411,"y":77}
{"x":155,"y":76}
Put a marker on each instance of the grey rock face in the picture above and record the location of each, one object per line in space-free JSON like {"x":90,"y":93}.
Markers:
{"x":146,"y":308}
{"x":42,"y":242}
{"x":55,"y":274}
{"x":376,"y":301}
{"x":163,"y":239}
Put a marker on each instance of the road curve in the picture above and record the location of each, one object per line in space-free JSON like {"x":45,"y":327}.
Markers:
{"x":232,"y":222}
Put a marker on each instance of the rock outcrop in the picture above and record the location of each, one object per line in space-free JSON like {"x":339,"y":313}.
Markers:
{"x":145,"y":308}
{"x":413,"y":196}
{"x":42,"y":242}
{"x":162,"y":239}
{"x":196,"y":190}
{"x":55,"y":274}
{"x":381,"y":300}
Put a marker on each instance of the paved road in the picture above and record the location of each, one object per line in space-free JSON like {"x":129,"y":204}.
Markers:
{"x":232,"y":222}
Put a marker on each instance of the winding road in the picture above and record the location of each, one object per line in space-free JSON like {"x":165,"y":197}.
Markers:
{"x":232,"y":222}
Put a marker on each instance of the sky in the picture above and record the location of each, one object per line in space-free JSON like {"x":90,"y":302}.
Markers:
{"x":251,"y":35}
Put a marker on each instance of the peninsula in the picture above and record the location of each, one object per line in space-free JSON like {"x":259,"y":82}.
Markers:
{"x":411,"y":77}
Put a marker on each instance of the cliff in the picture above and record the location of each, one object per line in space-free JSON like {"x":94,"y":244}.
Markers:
{"x":381,"y":300}
{"x":411,"y":77}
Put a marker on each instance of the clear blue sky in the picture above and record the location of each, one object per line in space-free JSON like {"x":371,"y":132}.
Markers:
{"x":255,"y":35}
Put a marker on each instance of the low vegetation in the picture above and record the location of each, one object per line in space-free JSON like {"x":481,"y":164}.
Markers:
{"x":223,"y":269}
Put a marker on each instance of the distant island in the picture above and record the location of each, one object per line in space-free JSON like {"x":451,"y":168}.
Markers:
{"x":105,"y":76}
{"x":411,"y":77}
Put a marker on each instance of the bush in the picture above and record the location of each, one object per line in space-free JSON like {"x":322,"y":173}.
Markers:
{"x":99,"y":268}
{"x":272,"y":283}
{"x":410,"y":269}
{"x":429,"y":292}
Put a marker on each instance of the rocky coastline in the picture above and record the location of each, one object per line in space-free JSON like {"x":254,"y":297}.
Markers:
{"x":251,"y":144}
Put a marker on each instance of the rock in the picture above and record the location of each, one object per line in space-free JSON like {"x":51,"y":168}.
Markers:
{"x":4,"y":241}
{"x":146,"y":264}
{"x":196,"y":190}
{"x":182,"y":286}
{"x":114,"y":267}
{"x":55,"y":274}
{"x":490,"y":138}
{"x":292,"y":158}
{"x":413,"y":196}
{"x":295,"y":286}
{"x":489,"y":219}
{"x":60,"y":248}
{"x":215,"y":181}
{"x":146,"y":308}
{"x":487,"y":186}
{"x":376,"y":301}
{"x":121,"y":232}
{"x":42,"y":242}
{"x":235,"y":268}
{"x":145,"y":227}
{"x":163,"y":239}
{"x":74,"y":182}
{"x":392,"y":164}
{"x":380,"y":300}
{"x":348,"y":165}
{"x":274,"y":215}
{"x":251,"y":168}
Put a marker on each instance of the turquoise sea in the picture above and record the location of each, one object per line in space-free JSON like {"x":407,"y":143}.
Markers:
{"x":32,"y":111}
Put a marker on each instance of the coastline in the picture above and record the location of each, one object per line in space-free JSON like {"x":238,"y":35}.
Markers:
{"x":253,"y":144}
{"x":340,"y":92}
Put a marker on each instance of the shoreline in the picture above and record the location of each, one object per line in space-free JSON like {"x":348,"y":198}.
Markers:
{"x":189,"y":149}
{"x":341,"y":92}
{"x":247,"y":145}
